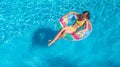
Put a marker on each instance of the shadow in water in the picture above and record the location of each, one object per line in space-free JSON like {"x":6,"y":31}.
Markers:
{"x":41,"y":37}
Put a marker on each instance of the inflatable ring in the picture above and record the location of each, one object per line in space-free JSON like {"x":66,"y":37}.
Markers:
{"x":69,"y":20}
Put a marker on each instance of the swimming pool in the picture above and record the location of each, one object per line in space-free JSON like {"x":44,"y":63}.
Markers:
{"x":26,"y":26}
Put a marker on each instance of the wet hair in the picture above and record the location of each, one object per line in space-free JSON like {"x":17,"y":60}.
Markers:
{"x":79,"y":17}
{"x":86,"y":14}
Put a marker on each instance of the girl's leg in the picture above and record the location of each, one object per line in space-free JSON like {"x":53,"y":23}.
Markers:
{"x":57,"y":36}
{"x":61,"y":34}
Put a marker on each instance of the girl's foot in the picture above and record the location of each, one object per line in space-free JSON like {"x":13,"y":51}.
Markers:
{"x":49,"y":44}
{"x":49,"y":40}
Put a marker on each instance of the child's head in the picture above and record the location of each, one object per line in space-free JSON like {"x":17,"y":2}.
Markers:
{"x":83,"y":16}
{"x":86,"y":14}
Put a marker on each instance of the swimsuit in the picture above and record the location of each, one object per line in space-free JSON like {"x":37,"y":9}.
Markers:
{"x":79,"y":23}
{"x":73,"y":29}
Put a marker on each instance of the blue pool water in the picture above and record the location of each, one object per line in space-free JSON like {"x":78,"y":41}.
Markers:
{"x":27,"y":25}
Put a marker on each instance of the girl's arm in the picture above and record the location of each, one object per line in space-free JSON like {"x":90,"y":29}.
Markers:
{"x":75,"y":13}
{"x":86,"y":28}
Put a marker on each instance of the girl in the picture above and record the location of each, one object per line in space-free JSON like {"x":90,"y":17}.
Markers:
{"x":82,"y":20}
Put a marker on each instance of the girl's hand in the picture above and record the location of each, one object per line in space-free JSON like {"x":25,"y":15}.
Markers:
{"x":73,"y":13}
{"x":76,"y":33}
